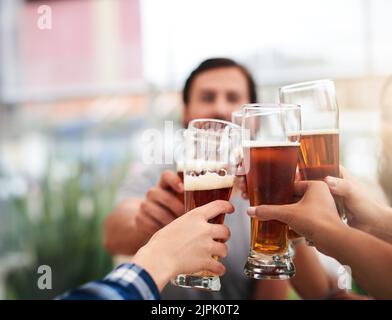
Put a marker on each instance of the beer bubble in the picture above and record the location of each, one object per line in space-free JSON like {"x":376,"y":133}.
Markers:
{"x":222,"y":172}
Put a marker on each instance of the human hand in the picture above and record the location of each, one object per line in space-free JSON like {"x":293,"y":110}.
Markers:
{"x":161,"y":204}
{"x":315,"y":211}
{"x":363,"y":212}
{"x":187,"y":245}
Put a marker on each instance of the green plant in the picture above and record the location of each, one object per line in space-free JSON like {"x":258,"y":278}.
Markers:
{"x":67,"y":232}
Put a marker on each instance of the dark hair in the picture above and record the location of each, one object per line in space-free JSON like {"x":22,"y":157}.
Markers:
{"x":216,"y":63}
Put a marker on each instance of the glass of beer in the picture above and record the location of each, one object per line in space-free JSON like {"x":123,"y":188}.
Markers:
{"x":210,"y":164}
{"x":270,"y":140}
{"x":236,"y":118}
{"x":319,"y":155}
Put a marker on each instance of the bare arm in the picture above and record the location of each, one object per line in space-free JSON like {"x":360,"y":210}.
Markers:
{"x":271,"y":290}
{"x":363,"y":211}
{"x":311,"y":281}
{"x":382,"y":227}
{"x":369,"y":257}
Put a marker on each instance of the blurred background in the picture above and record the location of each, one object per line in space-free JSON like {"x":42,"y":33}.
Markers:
{"x":75,"y":97}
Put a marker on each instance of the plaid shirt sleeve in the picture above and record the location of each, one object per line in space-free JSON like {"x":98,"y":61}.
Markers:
{"x":126,"y":282}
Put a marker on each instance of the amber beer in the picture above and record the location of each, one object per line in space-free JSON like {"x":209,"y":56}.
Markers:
{"x":270,"y":180}
{"x":180,"y":173}
{"x":205,"y":186}
{"x":319,"y":157}
{"x":319,"y":154}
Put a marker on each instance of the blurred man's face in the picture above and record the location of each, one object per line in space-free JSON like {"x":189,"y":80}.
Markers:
{"x":216,"y":94}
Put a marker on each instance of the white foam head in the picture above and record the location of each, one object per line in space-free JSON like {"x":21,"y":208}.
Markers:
{"x":200,"y":165}
{"x":180,"y":166}
{"x":208,"y":181}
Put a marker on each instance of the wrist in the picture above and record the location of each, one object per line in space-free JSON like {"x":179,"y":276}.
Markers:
{"x":381,"y":215}
{"x":326,"y":234}
{"x":382,"y":222}
{"x":158,"y":266}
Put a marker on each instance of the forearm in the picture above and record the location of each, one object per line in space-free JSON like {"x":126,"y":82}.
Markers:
{"x":311,"y":281}
{"x":121,"y":236}
{"x":158,"y":265}
{"x":369,"y":258}
{"x":271,"y":290}
{"x":382,"y":227}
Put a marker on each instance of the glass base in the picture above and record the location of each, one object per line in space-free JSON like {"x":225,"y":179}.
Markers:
{"x":210,"y":283}
{"x":290,"y":251}
{"x":269,"y":266}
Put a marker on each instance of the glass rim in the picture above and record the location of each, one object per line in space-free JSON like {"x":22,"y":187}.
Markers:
{"x":227,"y":123}
{"x":306,"y":85}
{"x":270,"y":107}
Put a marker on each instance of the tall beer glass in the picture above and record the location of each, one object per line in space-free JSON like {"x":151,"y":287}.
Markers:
{"x":236,"y":118}
{"x":320,"y":130}
{"x":270,"y":136}
{"x":210,"y":166}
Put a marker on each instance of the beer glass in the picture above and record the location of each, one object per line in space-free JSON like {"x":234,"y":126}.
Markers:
{"x":236,"y":118}
{"x":270,"y":140}
{"x":210,"y":165}
{"x":319,"y":155}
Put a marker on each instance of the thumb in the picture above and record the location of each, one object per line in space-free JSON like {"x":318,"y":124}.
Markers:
{"x":338,"y":187}
{"x":281,"y":213}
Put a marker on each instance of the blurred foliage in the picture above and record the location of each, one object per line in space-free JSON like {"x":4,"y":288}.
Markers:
{"x":60,"y":224}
